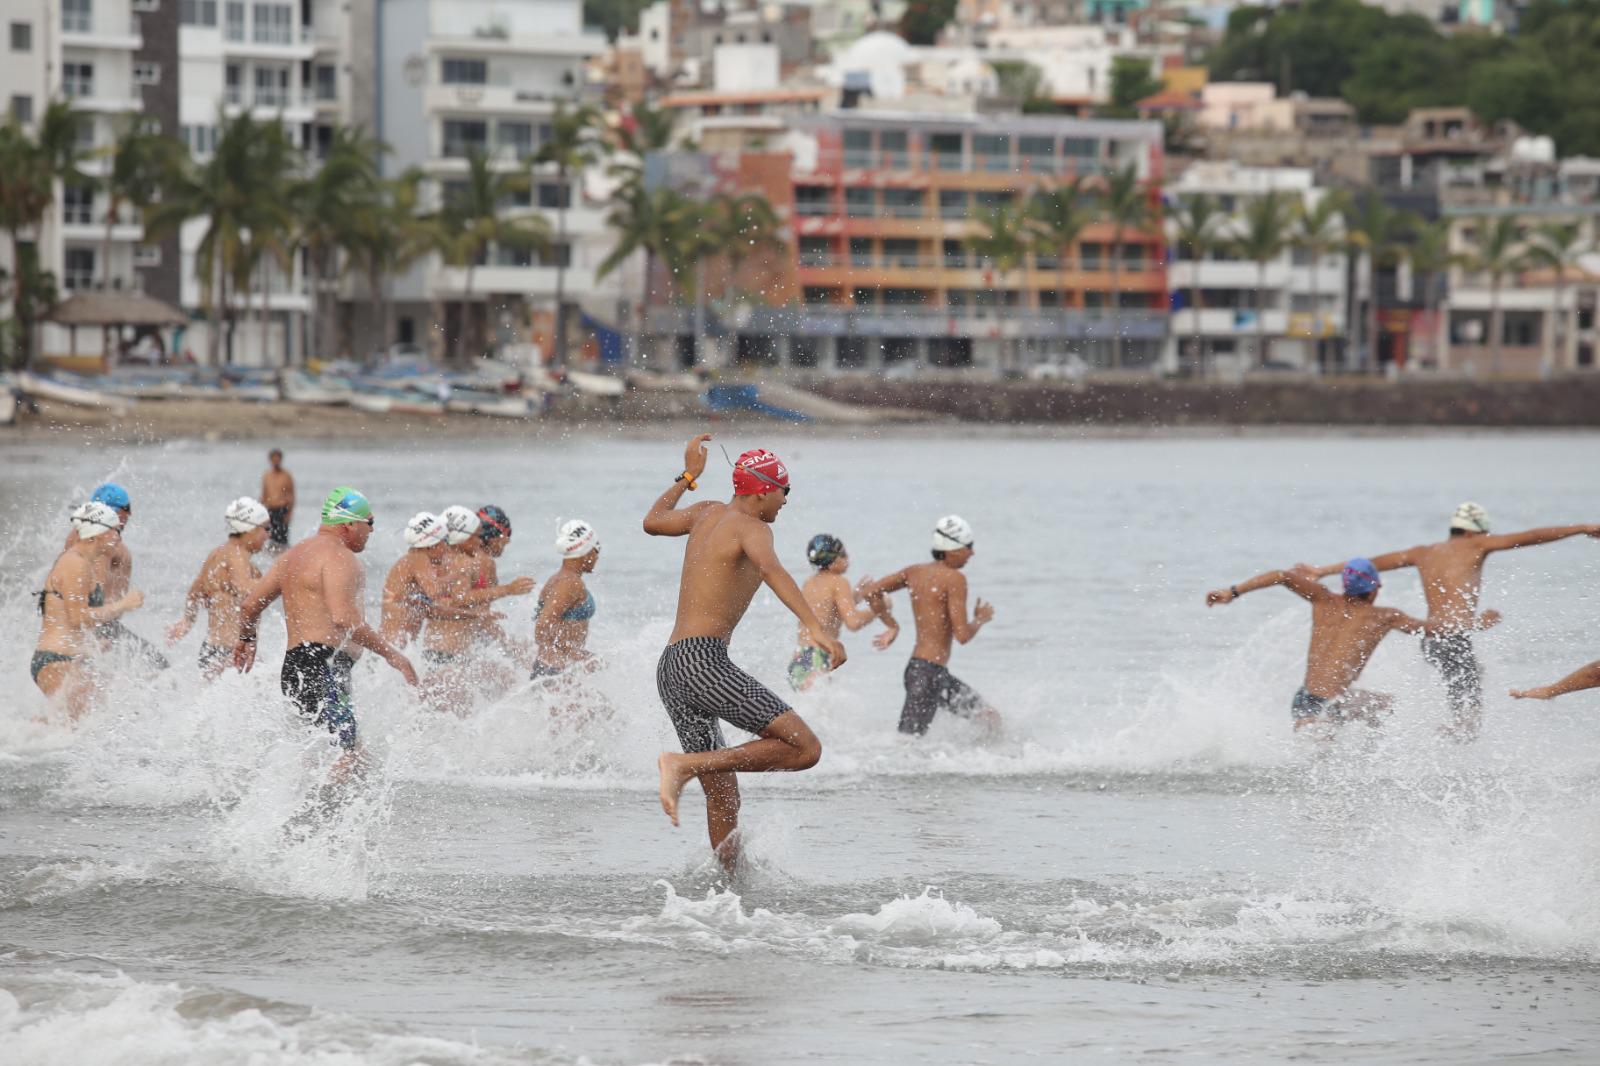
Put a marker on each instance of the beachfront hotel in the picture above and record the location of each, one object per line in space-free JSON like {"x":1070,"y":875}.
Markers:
{"x":878,"y":272}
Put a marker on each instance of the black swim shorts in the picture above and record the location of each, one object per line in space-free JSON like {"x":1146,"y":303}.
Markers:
{"x":931,"y":688}
{"x":317,"y":679}
{"x":213,"y":657}
{"x":278,"y":524}
{"x":699,"y":684}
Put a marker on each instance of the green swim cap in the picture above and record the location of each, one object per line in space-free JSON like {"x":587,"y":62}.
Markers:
{"x":345,"y":505}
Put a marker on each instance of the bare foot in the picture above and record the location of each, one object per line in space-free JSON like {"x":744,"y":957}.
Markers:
{"x":673,"y":778}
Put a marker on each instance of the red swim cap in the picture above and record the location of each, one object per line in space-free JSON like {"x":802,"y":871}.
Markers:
{"x":759,"y":471}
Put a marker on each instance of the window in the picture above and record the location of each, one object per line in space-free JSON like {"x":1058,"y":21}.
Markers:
{"x":955,"y":254}
{"x":557,"y":255}
{"x":198,"y":12}
{"x":861,"y":251}
{"x":77,"y":205}
{"x":515,"y":138}
{"x":273,"y":23}
{"x":77,"y":16}
{"x":200,"y":140}
{"x":327,"y":82}
{"x":892,"y":148}
{"x":900,"y":252}
{"x":513,"y":257}
{"x":857,"y":148}
{"x":554,"y":195}
{"x":22,"y":36}
{"x":22,"y":108}
{"x":817,"y":296}
{"x":988,"y":201}
{"x":77,"y":79}
{"x":813,"y":200}
{"x":952,"y":203}
{"x":946,"y":150}
{"x":1038,"y":151}
{"x":1082,"y":147}
{"x":816,"y":251}
{"x":233,"y":84}
{"x":903,"y":203}
{"x":465,"y":72}
{"x":79,"y":272}
{"x":860,"y":202}
{"x":993,"y":151}
{"x":233,"y":28}
{"x":463,"y":138}
{"x":147,"y":255}
{"x":272,"y":86}
{"x":147,"y":73}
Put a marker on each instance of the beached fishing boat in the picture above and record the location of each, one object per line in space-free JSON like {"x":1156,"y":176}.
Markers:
{"x":8,"y":400}
{"x":71,"y":390}
{"x":298,"y":386}
{"x":466,"y":401}
{"x":596,"y":384}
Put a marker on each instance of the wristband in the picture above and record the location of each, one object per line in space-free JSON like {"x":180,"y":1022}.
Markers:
{"x":1235,"y":590}
{"x":687,"y":480}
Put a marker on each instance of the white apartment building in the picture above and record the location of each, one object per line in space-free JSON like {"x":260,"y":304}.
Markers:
{"x":464,"y":77}
{"x":1300,"y":298}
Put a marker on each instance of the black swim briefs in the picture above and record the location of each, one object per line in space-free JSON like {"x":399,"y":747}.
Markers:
{"x":931,"y":688}
{"x":317,"y":679}
{"x":699,"y":684}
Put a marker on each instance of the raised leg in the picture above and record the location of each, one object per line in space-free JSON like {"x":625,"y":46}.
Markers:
{"x":788,"y":744}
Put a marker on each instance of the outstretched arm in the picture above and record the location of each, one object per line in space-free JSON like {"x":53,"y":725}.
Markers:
{"x":1300,"y":580}
{"x":1388,"y":561}
{"x":191,"y":607}
{"x":876,"y":596}
{"x":844,"y":601}
{"x":1581,"y":678}
{"x":1499,"y":542}
{"x":756,"y":541}
{"x":664,"y":519}
{"x":342,"y":586}
{"x":960,"y":628}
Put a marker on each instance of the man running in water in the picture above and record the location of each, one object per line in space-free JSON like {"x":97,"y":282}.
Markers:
{"x":939,"y":608}
{"x":1452,"y":579}
{"x":1581,"y":678}
{"x":277,"y":493}
{"x":320,"y":580}
{"x":833,"y":601}
{"x":728,"y":556}
{"x":72,"y":605}
{"x":226,"y":577}
{"x":114,"y":572}
{"x":1345,"y":631}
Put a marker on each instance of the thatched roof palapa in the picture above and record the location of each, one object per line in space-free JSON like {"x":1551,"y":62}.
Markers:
{"x":115,"y":309}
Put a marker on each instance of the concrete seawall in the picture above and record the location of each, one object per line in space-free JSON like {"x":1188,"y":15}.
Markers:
{"x":1572,"y":401}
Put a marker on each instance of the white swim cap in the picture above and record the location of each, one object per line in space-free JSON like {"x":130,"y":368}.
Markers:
{"x":425,"y":530}
{"x":244,"y":514}
{"x":1470,"y":518}
{"x":93,"y":519}
{"x":462,"y":524}
{"x":576,"y":539}
{"x":951,"y":533}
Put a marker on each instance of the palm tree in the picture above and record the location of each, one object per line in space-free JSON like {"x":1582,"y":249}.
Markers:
{"x":1557,"y":246}
{"x":243,"y":194}
{"x":1005,"y":239}
{"x":140,"y":159}
{"x":1378,"y":232}
{"x":1318,"y":232}
{"x":1196,"y":222}
{"x":660,"y":223}
{"x":30,"y":166}
{"x":330,"y":203}
{"x":1265,"y":231}
{"x":729,"y":228}
{"x":1059,"y":216}
{"x":644,"y":130}
{"x":572,"y":147}
{"x":1125,"y":203}
{"x":1498,"y":251}
{"x":390,"y":233}
{"x":1430,"y":257}
{"x":475,"y":218}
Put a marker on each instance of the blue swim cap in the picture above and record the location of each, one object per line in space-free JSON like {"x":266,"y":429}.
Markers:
{"x":113,"y":495}
{"x":1360,"y":577}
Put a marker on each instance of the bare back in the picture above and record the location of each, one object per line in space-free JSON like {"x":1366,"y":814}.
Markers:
{"x":1452,"y":578}
{"x":719,"y":577}
{"x":315,"y":572}
{"x":406,"y":595}
{"x":461,"y":571}
{"x":822,"y":591}
{"x":225,"y":579}
{"x":1344,"y":634}
{"x":932,"y":587}
{"x":66,"y":597}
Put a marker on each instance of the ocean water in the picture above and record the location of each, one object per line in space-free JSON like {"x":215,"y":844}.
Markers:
{"x":1146,"y":867}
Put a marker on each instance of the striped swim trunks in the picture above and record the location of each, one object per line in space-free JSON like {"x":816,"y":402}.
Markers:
{"x":699,"y":684}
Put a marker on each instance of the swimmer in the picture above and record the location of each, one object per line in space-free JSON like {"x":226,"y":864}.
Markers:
{"x":413,"y":591}
{"x":277,"y":494}
{"x":320,"y":580}
{"x":939,"y":609}
{"x":72,"y":605}
{"x":226,"y":576}
{"x":114,"y":572}
{"x":833,"y":601}
{"x":1452,"y":580}
{"x":561,"y":631}
{"x":728,"y":556}
{"x":1584,"y":677}
{"x":1345,"y":631}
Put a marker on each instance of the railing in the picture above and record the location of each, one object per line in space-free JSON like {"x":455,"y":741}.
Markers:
{"x":77,"y":21}
{"x":1041,"y":273}
{"x":813,"y":209}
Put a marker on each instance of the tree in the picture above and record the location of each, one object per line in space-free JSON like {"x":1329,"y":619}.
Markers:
{"x":1378,"y":232}
{"x":389,"y":234}
{"x":1059,"y":215}
{"x":613,"y":16}
{"x":573,"y":146}
{"x":923,"y":20}
{"x":1131,"y":81}
{"x":330,"y":204}
{"x":1557,"y":245}
{"x":1318,"y":231}
{"x":1497,"y":251}
{"x":1004,"y":238}
{"x":643,"y":131}
{"x":1195,"y":223}
{"x":1125,"y":203}
{"x":473,"y":219}
{"x":1021,"y":81}
{"x":27,"y":189}
{"x":1265,"y":231}
{"x":139,"y":160}
{"x":1431,"y":259}
{"x":659,"y":223}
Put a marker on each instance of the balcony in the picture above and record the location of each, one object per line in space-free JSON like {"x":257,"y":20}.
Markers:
{"x":922,"y":321}
{"x":102,"y":29}
{"x":270,"y":42}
